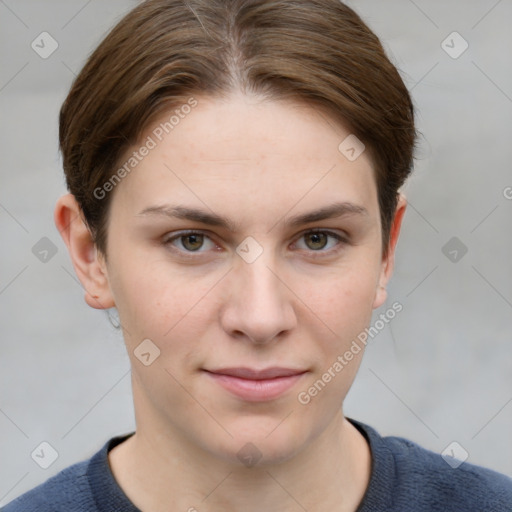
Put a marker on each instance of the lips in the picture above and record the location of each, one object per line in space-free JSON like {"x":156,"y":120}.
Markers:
{"x":252,"y":374}
{"x":254,"y":385}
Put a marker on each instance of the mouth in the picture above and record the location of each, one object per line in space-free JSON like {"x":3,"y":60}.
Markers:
{"x":254,"y":385}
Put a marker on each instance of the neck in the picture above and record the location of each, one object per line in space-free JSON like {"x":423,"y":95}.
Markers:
{"x":159,"y":471}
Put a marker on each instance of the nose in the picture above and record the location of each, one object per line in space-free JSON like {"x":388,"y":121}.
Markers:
{"x":259,"y":305}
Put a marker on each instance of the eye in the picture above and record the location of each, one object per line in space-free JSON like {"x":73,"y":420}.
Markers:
{"x":315,"y":241}
{"x":318,"y":241}
{"x":189,"y":241}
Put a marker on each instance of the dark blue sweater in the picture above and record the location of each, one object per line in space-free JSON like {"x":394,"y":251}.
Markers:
{"x":404,"y":478}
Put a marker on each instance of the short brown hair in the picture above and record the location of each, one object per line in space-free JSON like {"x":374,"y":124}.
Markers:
{"x":319,"y":52}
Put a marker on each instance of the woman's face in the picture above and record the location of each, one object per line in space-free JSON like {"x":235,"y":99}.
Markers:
{"x":260,"y":292}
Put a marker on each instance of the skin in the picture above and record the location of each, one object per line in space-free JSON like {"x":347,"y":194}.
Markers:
{"x":258,"y":163}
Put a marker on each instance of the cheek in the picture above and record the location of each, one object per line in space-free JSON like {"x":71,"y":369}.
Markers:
{"x":343,"y":300}
{"x":158,"y":302}
{"x":343,"y":309}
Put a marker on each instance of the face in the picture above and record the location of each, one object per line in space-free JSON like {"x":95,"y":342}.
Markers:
{"x":250,"y":283}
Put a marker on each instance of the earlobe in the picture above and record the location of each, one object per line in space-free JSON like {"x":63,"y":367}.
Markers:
{"x":88,"y":263}
{"x":380,"y":296}
{"x":389,"y":261}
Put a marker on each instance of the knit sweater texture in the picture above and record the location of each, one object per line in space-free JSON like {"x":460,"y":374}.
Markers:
{"x":404,"y":477}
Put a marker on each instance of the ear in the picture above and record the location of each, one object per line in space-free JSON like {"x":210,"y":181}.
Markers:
{"x":389,"y":261}
{"x":89,"y":263}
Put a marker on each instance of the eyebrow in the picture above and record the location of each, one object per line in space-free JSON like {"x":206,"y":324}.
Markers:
{"x":335,"y":210}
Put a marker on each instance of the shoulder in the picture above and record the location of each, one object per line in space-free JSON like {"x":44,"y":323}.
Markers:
{"x":412,"y":474}
{"x":83,"y":487}
{"x":469,"y":486}
{"x":65,"y":491}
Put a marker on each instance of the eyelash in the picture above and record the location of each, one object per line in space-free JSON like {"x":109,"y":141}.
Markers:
{"x":315,"y":254}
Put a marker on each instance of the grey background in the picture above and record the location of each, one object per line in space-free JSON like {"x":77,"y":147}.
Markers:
{"x":440,"y":372}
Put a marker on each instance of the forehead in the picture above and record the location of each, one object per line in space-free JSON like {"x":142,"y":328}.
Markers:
{"x":243,"y":153}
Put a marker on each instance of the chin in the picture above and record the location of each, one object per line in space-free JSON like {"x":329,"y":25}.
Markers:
{"x":262,"y":442}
